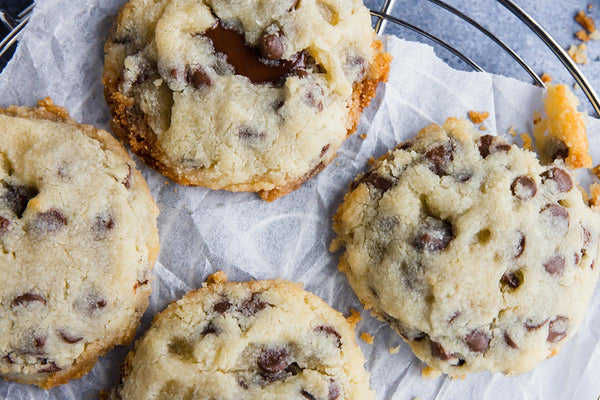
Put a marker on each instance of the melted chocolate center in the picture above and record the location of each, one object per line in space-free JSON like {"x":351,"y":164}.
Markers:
{"x":244,"y":60}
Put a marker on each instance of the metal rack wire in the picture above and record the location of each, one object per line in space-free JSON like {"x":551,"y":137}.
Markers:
{"x":383,"y":16}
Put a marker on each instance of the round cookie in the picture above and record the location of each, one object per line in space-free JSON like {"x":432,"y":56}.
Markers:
{"x":478,"y":256}
{"x":244,"y":96}
{"x":79,"y":238}
{"x":247,"y":340}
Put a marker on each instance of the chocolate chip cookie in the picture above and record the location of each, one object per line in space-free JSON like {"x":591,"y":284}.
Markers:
{"x":247,"y":340}
{"x":78,"y":237}
{"x":245,"y":96}
{"x":478,"y":256}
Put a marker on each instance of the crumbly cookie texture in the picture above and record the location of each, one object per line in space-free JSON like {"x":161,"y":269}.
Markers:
{"x":245,"y":96}
{"x":248,"y":340}
{"x":562,"y":134}
{"x":478,"y":256}
{"x":79,"y":238}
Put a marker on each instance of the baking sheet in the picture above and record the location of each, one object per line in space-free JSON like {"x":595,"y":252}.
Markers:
{"x":61,"y":55}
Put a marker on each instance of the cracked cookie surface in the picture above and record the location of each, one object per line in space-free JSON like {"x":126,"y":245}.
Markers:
{"x":242,"y":96}
{"x":478,"y":256}
{"x":78,"y":237}
{"x":248,"y":340}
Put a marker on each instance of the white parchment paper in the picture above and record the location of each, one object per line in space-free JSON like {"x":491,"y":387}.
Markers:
{"x":202,"y":231}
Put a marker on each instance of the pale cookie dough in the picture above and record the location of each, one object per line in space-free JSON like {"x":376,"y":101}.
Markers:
{"x":262,"y":340}
{"x":78,"y":237}
{"x":478,"y":256}
{"x":243,"y":96}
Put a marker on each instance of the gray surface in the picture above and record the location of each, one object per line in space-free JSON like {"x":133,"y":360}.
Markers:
{"x":556,"y":16}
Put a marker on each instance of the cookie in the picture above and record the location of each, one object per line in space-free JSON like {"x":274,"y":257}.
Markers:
{"x":478,"y":256}
{"x":245,"y":96}
{"x":79,"y":238}
{"x":247,"y":340}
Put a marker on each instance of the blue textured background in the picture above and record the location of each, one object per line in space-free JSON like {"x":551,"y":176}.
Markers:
{"x":556,"y":16}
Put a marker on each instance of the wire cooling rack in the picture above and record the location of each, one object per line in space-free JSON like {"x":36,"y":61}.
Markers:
{"x":383,"y":16}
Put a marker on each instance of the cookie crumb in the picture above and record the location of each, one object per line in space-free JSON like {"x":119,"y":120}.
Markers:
{"x":546,"y":77}
{"x":367,"y":338}
{"x":527,"y":142}
{"x":582,"y":35}
{"x":512,"y":131}
{"x":482,"y":128}
{"x":458,"y":377}
{"x":578,"y":53}
{"x":363,"y":136}
{"x":217,"y":277}
{"x":371,"y":160}
{"x":562,"y":133}
{"x":585,"y":21}
{"x":354,"y":317}
{"x":478,"y":117}
{"x":430,"y":373}
{"x":394,"y":350}
{"x":552,"y":353}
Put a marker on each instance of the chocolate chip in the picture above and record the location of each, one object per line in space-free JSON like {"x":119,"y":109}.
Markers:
{"x":47,"y":222}
{"x":293,"y":369}
{"x":69,"y":338}
{"x":593,"y":264}
{"x":576,"y":258}
{"x":587,"y":238}
{"x":520,"y":245}
{"x":334,"y":391}
{"x":557,"y":215}
{"x":511,"y":279}
{"x":221,"y":306}
{"x":8,"y":359}
{"x":244,"y":60}
{"x":273,"y":360}
{"x":252,"y":305}
{"x":307,"y":395}
{"x":313,"y":97}
{"x":477,"y":341}
{"x":139,"y":283}
{"x":454,"y":316}
{"x":464,"y":176}
{"x":242,"y":384}
{"x":380,"y":183}
{"x":49,"y":366}
{"x":406,"y":145}
{"x":39,"y":342}
{"x":324,"y":150}
{"x":4,"y":224}
{"x":103,"y":224}
{"x":127,"y":180}
{"x":434,"y":236}
{"x":247,"y":133}
{"x":90,"y":303}
{"x":508,"y":340}
{"x":16,"y":197}
{"x":557,"y":329}
{"x":530,"y":325}
{"x":438,"y":157}
{"x":557,"y":149}
{"x":560,"y":177}
{"x":210,"y":329}
{"x":25,"y":299}
{"x":180,"y":346}
{"x":555,"y":265}
{"x":198,"y":76}
{"x":437,"y":351}
{"x":270,"y":46}
{"x":524,"y":188}
{"x":357,"y":66}
{"x":489,"y":144}
{"x":330,"y":331}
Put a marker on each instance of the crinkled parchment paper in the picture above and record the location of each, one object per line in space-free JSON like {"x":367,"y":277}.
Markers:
{"x":61,"y":55}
